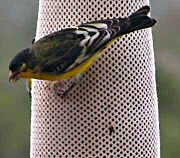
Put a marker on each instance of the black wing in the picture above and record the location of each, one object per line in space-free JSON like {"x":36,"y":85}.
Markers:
{"x":66,"y":49}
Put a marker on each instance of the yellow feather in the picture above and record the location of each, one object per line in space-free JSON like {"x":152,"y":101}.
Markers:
{"x":71,"y":73}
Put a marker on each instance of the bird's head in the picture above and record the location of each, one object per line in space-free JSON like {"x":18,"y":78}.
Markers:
{"x":19,"y":64}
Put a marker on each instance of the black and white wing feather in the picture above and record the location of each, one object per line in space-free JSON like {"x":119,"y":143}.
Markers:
{"x":66,"y":49}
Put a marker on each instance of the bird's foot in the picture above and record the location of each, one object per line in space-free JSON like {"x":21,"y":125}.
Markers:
{"x":59,"y":87}
{"x":62,"y":88}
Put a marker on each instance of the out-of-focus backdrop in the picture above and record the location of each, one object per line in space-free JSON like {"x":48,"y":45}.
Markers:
{"x":17,"y":28}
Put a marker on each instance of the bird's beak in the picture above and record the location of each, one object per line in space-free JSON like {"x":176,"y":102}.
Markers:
{"x":13,"y":76}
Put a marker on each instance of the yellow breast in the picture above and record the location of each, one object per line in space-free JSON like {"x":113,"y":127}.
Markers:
{"x":71,"y":73}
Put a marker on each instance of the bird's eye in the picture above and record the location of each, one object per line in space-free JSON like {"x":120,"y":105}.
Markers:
{"x":22,"y":67}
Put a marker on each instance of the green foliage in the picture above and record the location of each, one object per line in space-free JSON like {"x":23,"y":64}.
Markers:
{"x":169,"y":104}
{"x":17,"y":28}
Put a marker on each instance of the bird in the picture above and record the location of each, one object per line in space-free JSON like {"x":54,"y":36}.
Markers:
{"x":69,"y":52}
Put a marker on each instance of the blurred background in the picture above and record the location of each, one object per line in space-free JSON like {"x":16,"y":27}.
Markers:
{"x":17,"y":28}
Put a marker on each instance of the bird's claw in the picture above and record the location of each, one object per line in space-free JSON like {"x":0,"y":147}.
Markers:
{"x":59,"y":88}
{"x":62,"y":88}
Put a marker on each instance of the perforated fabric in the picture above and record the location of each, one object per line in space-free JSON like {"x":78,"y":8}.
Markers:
{"x":113,"y":112}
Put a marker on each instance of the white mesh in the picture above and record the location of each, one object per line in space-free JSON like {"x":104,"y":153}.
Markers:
{"x":113,"y":112}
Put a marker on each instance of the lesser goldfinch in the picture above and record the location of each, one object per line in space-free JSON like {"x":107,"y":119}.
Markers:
{"x":69,"y":52}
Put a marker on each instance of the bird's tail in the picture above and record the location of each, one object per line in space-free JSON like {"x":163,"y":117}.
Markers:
{"x":110,"y":29}
{"x":137,"y":21}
